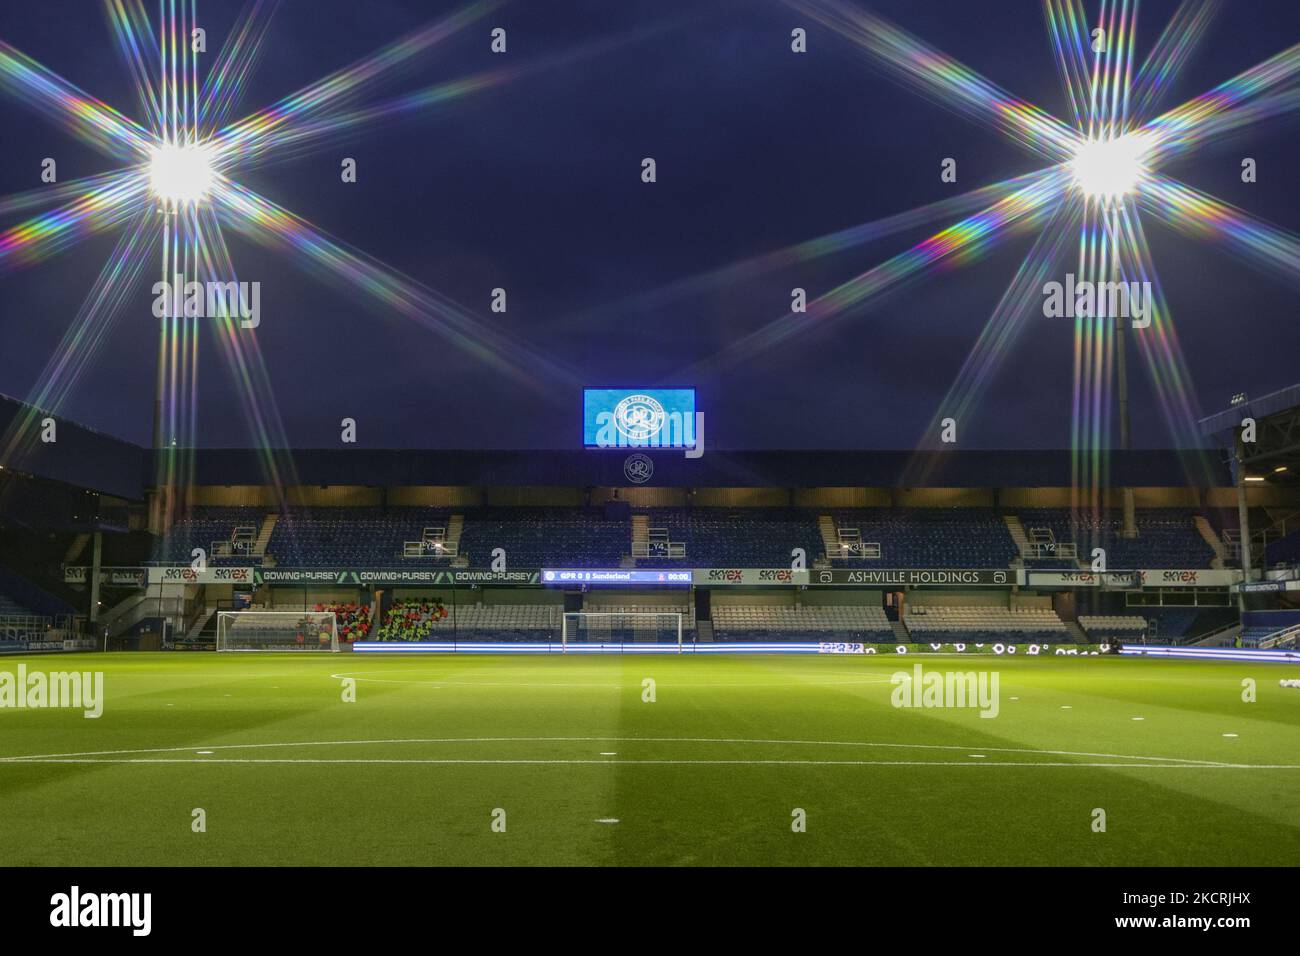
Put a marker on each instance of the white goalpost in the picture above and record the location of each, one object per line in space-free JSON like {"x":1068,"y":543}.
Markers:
{"x":277,"y":631}
{"x":621,"y":627}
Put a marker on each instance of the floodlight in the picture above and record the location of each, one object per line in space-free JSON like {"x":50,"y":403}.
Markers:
{"x":180,"y":173}
{"x":1109,"y":168}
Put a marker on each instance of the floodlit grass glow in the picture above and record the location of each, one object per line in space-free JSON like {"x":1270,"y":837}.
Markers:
{"x":759,"y":733}
{"x":180,"y":173}
{"x":1109,"y":168}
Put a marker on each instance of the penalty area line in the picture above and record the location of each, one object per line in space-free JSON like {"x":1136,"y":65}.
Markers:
{"x":1147,"y":759}
{"x":475,"y":761}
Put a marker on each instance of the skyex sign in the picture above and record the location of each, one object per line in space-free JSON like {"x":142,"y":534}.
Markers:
{"x":116,"y":577}
{"x":208,"y":575}
{"x":747,"y":576}
{"x":1150,"y":578}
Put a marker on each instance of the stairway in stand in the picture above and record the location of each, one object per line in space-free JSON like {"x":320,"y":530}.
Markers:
{"x":640,"y":537}
{"x":830,"y":535}
{"x":264,"y":535}
{"x":1212,"y":539}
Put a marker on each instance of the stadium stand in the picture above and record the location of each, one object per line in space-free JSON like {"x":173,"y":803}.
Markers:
{"x":17,"y":621}
{"x":1113,"y":627}
{"x":27,"y":610}
{"x":11,"y":608}
{"x":1178,"y":625}
{"x":1283,"y":551}
{"x":985,"y":623}
{"x":699,"y":537}
{"x":206,"y":526}
{"x":738,"y":537}
{"x":1172,"y":624}
{"x":1258,"y":625}
{"x":354,"y":537}
{"x":535,"y":537}
{"x":1253,"y":634}
{"x":1166,"y":538}
{"x":411,"y":620}
{"x":766,"y":622}
{"x":930,"y":537}
{"x":430,"y":620}
{"x":640,"y":628}
{"x":353,"y":619}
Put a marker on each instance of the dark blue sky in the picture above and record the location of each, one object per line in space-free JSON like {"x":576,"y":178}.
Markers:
{"x":535,"y":187}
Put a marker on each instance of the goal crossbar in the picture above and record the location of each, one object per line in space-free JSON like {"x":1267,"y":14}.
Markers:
{"x":573,"y":623}
{"x":277,"y":631}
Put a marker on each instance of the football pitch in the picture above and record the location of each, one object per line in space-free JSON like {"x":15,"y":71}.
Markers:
{"x":650,"y":760}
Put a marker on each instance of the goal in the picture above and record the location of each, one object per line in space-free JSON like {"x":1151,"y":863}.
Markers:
{"x":621,"y":627}
{"x":277,"y":631}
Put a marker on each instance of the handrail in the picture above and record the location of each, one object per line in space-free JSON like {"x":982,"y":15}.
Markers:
{"x":1278,"y":638}
{"x":1216,"y":635}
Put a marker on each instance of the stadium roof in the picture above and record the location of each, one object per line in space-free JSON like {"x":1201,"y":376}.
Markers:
{"x":1221,"y":424}
{"x":1274,"y":454}
{"x":87,"y":459}
{"x":716,"y":469}
{"x":80,"y":457}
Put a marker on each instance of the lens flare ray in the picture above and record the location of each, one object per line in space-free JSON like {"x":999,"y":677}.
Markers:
{"x":262,"y":221}
{"x":1109,"y":160}
{"x":1024,"y":208}
{"x":943,"y":79}
{"x":82,"y":115}
{"x":1065,"y":28}
{"x":98,"y":205}
{"x":243,"y":140}
{"x":1188,"y":126}
{"x":1022,"y":300}
{"x":1196,"y":214}
{"x":831,"y":244}
{"x":94,"y":323}
{"x":235,"y":63}
{"x":1175,"y":47}
{"x":138,"y":45}
{"x":176,"y":197}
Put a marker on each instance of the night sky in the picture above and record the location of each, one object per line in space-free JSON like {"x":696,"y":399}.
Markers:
{"x":535,"y":187}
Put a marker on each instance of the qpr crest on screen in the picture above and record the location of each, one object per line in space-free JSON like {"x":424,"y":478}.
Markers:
{"x":639,"y":417}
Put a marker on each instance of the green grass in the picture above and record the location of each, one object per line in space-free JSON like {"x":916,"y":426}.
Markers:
{"x":709,"y":773}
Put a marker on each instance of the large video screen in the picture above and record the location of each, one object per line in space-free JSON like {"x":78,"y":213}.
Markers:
{"x":638,"y":418}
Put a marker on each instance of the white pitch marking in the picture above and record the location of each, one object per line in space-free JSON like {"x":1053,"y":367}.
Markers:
{"x":609,"y":753}
{"x":687,"y":740}
{"x":608,"y":820}
{"x":876,"y":679}
{"x":1066,"y":707}
{"x":658,"y":762}
{"x":1139,"y":718}
{"x":1229,"y":735}
{"x":981,"y":756}
{"x":203,"y":751}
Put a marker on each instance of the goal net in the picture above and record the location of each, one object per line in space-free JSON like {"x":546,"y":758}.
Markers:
{"x":621,"y":627}
{"x":277,"y":631}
